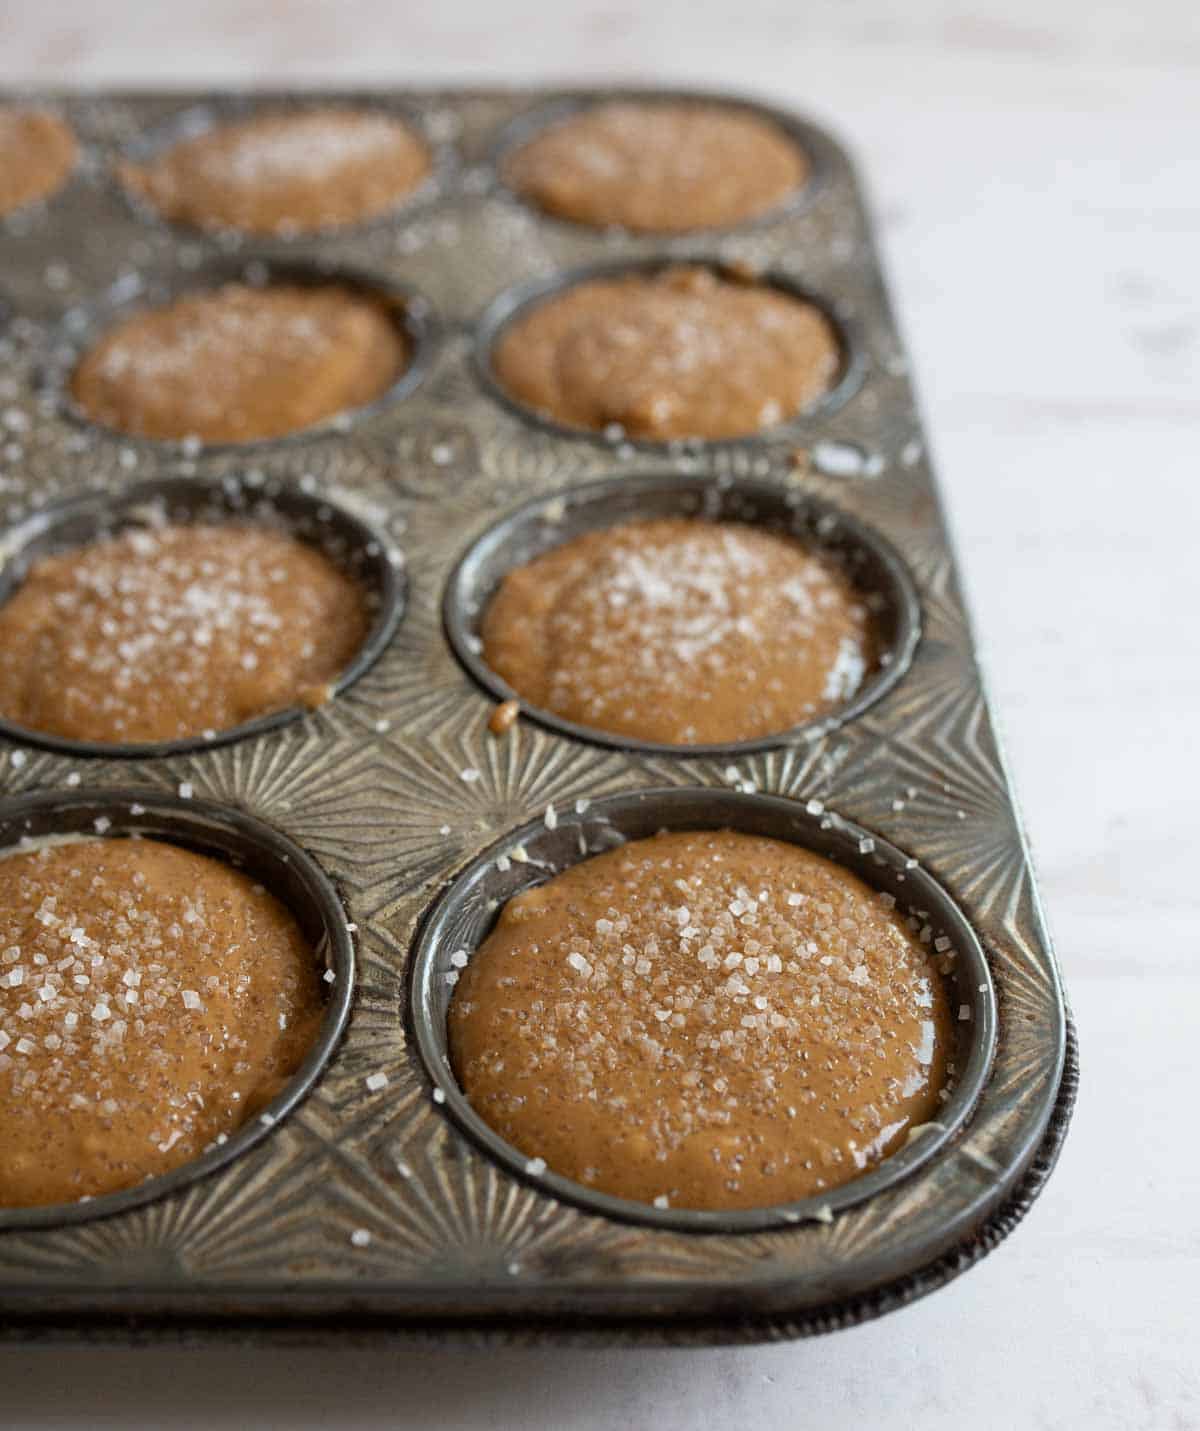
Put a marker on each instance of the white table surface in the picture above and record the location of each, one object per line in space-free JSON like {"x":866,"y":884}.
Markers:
{"x":1036,"y":168}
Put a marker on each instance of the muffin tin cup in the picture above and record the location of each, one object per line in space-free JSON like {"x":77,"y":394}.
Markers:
{"x":352,"y":543}
{"x":82,"y":327}
{"x":466,"y":913}
{"x":527,"y":126}
{"x":259,"y":851}
{"x":195,"y":119}
{"x":518,"y":301}
{"x":547,"y":522}
{"x":25,"y":217}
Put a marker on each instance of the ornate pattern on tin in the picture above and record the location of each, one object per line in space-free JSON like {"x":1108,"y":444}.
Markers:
{"x":366,"y":1206}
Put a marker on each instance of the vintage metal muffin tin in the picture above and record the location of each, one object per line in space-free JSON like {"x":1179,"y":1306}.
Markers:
{"x":377,"y":1205}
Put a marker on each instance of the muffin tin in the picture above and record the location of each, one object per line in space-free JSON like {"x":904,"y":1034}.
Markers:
{"x":393,"y":822}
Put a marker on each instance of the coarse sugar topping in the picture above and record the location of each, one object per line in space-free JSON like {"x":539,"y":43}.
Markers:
{"x":725,"y":1020}
{"x":658,"y":167}
{"x":676,"y":354}
{"x":151,"y":1001}
{"x":682,"y":631}
{"x":175,"y":630}
{"x":285,"y":173}
{"x":242,"y":362}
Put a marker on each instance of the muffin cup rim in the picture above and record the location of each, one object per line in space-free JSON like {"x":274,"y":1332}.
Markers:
{"x":163,"y":817}
{"x":976,"y":988}
{"x":389,"y":564}
{"x":458,"y":626}
{"x":521,"y":298}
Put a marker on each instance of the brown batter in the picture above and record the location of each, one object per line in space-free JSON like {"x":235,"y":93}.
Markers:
{"x":151,"y":1000}
{"x":659,"y":167}
{"x":169,"y":632}
{"x":721,"y":1020}
{"x":236,"y":363}
{"x":682,"y":353}
{"x":285,"y":173}
{"x":37,"y":153}
{"x":681,"y":631}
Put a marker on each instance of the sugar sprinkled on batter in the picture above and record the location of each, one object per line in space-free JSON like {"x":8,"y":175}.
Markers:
{"x":718,"y":1019}
{"x":682,"y":631}
{"x":677,"y":354}
{"x":174,"y":630}
{"x":658,"y":167}
{"x":241,"y":362}
{"x":151,"y":1001}
{"x":285,"y":172}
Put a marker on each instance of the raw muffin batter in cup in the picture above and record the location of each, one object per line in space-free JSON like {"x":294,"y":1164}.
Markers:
{"x":680,"y":353}
{"x":283,"y":173}
{"x":151,"y":1001}
{"x":37,"y":153}
{"x":681,"y":631}
{"x":662,"y":167}
{"x":241,"y":363}
{"x":173,"y":631}
{"x":713,"y":1019}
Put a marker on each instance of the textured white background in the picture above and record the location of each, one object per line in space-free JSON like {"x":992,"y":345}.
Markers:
{"x":1035,"y":167}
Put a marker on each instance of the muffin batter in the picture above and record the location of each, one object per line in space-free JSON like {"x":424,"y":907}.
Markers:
{"x":172,"y":631}
{"x":239,"y":363}
{"x":151,"y":1000}
{"x":682,"y":353}
{"x":681,"y":631}
{"x":285,"y":173}
{"x":659,"y":167}
{"x":37,"y":154}
{"x":721,"y":1020}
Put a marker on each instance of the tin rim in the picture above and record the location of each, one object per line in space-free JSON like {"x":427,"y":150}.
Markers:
{"x":358,"y":549}
{"x":238,"y":839}
{"x":205,"y":115}
{"x":545,"y":522}
{"x":522,"y":298}
{"x":466,"y":911}
{"x":812,"y":142}
{"x":83,"y":326}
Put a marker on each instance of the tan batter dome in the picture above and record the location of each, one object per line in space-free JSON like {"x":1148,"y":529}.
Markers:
{"x":680,"y":353}
{"x":173,"y":631}
{"x":242,"y":363}
{"x":682,"y":631}
{"x":286,"y":173}
{"x":37,"y":154}
{"x":151,"y":1001}
{"x":705,"y":1020}
{"x":658,"y":167}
